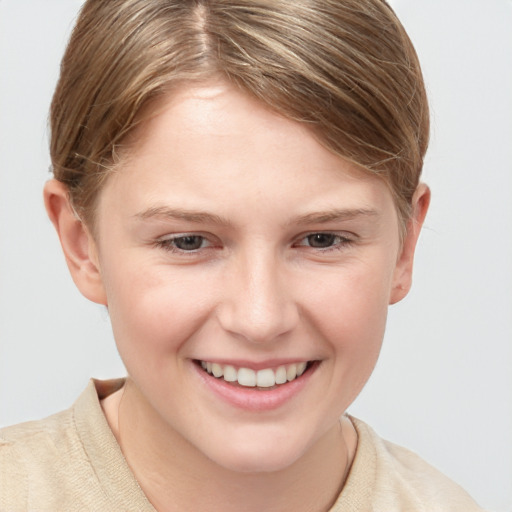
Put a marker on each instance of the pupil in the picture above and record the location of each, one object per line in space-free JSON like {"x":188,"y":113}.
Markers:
{"x":321,"y":240}
{"x":188,"y":243}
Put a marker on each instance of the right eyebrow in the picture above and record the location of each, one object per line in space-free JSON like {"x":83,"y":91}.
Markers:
{"x":194,"y":216}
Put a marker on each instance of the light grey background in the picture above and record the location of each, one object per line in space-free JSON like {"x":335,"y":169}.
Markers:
{"x":443,"y":385}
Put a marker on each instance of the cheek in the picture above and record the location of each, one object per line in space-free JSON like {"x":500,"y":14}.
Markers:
{"x":154,"y":312}
{"x":351,"y":303}
{"x":350,"y":310}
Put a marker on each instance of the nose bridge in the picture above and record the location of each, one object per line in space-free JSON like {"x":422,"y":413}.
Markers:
{"x":258,"y":304}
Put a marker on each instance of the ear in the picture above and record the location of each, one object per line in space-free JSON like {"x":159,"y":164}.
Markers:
{"x":402,"y":278}
{"x":77,"y":242}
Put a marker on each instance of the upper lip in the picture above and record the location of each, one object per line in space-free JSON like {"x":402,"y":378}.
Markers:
{"x":256,"y":365}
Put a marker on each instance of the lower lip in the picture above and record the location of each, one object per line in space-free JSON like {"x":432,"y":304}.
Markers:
{"x":252,"y":399}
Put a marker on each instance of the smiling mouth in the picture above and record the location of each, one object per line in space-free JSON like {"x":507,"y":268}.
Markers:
{"x":267,"y":378}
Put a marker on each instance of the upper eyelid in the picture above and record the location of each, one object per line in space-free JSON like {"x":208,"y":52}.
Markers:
{"x":174,"y":236}
{"x":342,"y":234}
{"x":209,"y":236}
{"x":167,"y":243}
{"x":345,"y":240}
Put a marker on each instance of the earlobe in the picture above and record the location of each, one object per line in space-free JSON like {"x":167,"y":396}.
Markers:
{"x":402,"y":279}
{"x":77,"y":242}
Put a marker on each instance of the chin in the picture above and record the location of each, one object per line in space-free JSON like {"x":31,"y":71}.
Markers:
{"x":257,"y":463}
{"x":253,"y":457}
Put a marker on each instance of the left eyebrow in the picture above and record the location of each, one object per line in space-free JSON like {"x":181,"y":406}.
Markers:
{"x":334,"y":216}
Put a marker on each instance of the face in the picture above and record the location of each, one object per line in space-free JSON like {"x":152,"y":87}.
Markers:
{"x":247,"y":273}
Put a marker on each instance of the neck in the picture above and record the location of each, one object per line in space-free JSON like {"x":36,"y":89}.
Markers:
{"x":176,"y":476}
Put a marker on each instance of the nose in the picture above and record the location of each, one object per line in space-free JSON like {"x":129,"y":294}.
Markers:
{"x":257,"y":304}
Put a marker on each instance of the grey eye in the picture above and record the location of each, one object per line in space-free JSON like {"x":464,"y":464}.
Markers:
{"x":321,"y":240}
{"x":189,"y":242}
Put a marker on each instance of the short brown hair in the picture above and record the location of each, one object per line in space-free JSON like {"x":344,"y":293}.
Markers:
{"x":345,"y":67}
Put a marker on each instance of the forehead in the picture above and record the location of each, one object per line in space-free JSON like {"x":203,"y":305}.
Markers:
{"x":203,"y":115}
{"x":204,"y":142}
{"x":216,"y":112}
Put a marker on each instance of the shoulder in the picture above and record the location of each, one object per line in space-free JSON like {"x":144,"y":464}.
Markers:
{"x":43,"y":464}
{"x":21,"y":435}
{"x":33,"y":455}
{"x":389,"y":477}
{"x":69,"y":461}
{"x":30,"y":444}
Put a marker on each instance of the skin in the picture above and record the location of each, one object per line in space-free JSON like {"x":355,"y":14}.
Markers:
{"x":256,"y":290}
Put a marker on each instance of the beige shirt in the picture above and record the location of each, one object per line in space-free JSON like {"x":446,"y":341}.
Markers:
{"x":72,"y":462}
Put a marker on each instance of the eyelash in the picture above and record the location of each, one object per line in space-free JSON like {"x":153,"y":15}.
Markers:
{"x":169,"y":244}
{"x":342,"y":241}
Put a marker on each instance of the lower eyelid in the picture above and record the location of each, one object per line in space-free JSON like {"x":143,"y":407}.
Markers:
{"x":171,"y":244}
{"x":339,"y":240}
{"x":340,"y":245}
{"x":168,"y":243}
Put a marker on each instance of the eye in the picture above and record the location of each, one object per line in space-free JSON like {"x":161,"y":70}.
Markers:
{"x":189,"y":242}
{"x":324,"y":241}
{"x":184,"y":243}
{"x":321,"y":240}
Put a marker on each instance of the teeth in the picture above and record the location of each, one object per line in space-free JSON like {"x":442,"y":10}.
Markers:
{"x":266,"y":378}
{"x":301,"y":368}
{"x":230,"y":374}
{"x":291,"y":372}
{"x":281,"y":375}
{"x":217,"y":370}
{"x":247,"y":377}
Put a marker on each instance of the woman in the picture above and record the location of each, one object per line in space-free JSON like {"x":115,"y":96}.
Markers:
{"x":238,"y":183}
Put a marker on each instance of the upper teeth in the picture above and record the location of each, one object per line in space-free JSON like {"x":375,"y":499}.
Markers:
{"x":265,"y":378}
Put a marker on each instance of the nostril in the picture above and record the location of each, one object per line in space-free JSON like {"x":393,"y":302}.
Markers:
{"x":258,"y":324}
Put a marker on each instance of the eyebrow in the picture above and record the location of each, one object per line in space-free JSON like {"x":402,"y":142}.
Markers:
{"x":198,"y":217}
{"x":336,"y":215}
{"x":201,"y":217}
